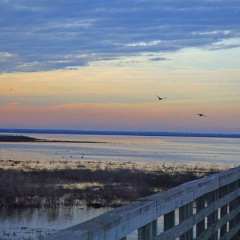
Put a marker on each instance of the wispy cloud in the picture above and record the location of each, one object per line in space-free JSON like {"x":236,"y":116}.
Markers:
{"x":5,"y":56}
{"x":58,"y":34}
{"x":144,"y":44}
{"x":226,"y":44}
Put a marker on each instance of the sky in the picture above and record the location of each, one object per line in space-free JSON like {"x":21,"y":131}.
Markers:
{"x":99,"y":64}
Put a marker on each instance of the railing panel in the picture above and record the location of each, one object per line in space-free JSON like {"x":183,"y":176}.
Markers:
{"x":190,"y":222}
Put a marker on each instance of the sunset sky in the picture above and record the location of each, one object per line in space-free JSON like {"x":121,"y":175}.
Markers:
{"x":99,"y":64}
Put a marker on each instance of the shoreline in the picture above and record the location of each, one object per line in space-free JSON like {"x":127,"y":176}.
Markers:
{"x":24,"y":139}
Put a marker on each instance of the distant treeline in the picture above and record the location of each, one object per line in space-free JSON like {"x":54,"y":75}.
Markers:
{"x":16,"y":138}
{"x":122,"y":133}
{"x":11,"y":138}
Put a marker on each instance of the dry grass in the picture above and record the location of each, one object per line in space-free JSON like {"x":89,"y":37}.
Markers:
{"x":51,"y":183}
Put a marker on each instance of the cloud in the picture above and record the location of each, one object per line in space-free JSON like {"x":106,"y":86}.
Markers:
{"x":58,"y":34}
{"x":6,"y":56}
{"x":213,"y":33}
{"x":156,"y":59}
{"x":226,"y":44}
{"x":144,"y":44}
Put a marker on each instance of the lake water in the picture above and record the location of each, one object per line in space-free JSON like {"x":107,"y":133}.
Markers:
{"x":128,"y":148}
{"x":29,"y":224}
{"x":34,"y":223}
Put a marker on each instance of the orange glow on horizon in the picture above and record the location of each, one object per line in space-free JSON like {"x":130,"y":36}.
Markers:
{"x":121,"y":98}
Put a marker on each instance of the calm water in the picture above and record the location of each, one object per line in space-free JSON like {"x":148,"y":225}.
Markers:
{"x":29,"y":224}
{"x":121,"y":148}
{"x":34,"y":224}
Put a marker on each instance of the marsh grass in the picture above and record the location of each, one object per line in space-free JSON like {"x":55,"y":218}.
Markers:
{"x":100,"y":187}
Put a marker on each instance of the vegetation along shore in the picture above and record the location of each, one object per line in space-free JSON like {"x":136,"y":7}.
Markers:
{"x":95,"y":183}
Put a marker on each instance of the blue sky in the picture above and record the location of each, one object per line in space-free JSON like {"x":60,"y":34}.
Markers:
{"x":45,"y":35}
{"x":100,"y":64}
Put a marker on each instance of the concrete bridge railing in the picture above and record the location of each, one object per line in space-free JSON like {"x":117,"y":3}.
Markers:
{"x":208,"y":208}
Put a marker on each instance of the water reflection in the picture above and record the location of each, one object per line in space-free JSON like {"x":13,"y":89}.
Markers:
{"x":36,"y":224}
{"x":120,"y":148}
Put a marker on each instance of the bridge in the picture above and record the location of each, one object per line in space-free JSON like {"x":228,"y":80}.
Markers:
{"x":207,"y":208}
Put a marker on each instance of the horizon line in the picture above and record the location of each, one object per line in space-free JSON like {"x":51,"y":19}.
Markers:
{"x":121,"y":132}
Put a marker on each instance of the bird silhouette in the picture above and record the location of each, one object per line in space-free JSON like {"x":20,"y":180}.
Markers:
{"x":160,"y":98}
{"x":201,"y":115}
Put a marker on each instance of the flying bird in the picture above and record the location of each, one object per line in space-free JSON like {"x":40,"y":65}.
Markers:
{"x":160,"y":98}
{"x":201,"y":115}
